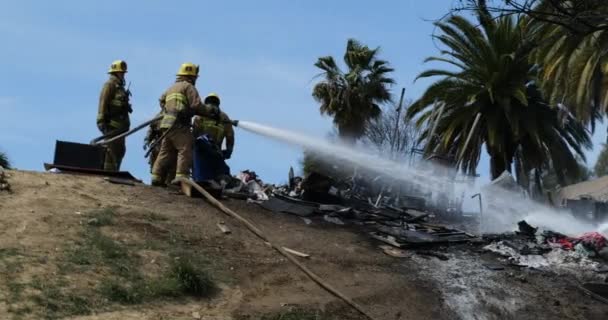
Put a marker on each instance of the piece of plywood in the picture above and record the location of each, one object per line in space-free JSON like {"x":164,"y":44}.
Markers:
{"x":223,"y":228}
{"x":77,"y":170}
{"x":394,"y":252}
{"x":115,"y":180}
{"x":386,"y":239}
{"x":297,"y":253}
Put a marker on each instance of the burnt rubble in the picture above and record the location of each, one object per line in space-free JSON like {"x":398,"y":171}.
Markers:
{"x":397,"y":220}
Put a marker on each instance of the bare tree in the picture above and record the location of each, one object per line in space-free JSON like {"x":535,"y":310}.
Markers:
{"x":391,"y":133}
{"x":579,"y":16}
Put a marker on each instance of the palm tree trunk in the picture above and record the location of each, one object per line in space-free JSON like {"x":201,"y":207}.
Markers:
{"x":348,"y":140}
{"x":498,"y":165}
{"x":539,"y":182}
{"x":347,"y":136}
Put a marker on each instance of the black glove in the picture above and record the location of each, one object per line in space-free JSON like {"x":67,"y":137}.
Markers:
{"x":226,"y":154}
{"x":102,"y":127}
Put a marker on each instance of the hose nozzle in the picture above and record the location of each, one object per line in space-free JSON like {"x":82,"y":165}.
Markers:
{"x":232,"y":122}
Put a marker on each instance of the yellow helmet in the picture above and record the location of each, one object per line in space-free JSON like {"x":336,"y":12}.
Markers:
{"x":212,"y":97}
{"x":188,"y":69}
{"x":118,"y":66}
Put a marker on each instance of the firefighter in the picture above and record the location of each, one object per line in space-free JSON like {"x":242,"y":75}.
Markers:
{"x":113,"y":113}
{"x":179,"y":104}
{"x":209,"y":134}
{"x":218,"y":128}
{"x":152,"y":142}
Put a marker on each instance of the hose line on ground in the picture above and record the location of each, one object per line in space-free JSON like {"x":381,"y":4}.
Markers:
{"x":279,"y":249}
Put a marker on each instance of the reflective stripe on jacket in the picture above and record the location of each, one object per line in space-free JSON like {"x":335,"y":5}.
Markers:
{"x":180,"y":102}
{"x":212,"y":127}
{"x":217,"y":129}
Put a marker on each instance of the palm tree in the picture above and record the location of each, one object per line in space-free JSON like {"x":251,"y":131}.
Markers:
{"x":353,"y":97}
{"x":574,"y":60}
{"x":601,"y":166}
{"x":489,"y":98}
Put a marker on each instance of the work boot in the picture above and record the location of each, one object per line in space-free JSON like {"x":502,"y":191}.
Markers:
{"x":211,"y":184}
{"x":158,"y":184}
{"x":176,"y":182}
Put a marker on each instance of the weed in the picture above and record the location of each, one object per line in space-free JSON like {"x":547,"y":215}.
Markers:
{"x":37,"y":283}
{"x":127,"y":285}
{"x":296,"y":315}
{"x":182,"y":279}
{"x":102,"y":217}
{"x":109,"y":249}
{"x":22,"y":311}
{"x":49,"y":298}
{"x":11,"y":259}
{"x":164,"y":287}
{"x":8,"y":252}
{"x":155,"y":244}
{"x":116,"y":291}
{"x":96,"y":250}
{"x":153,"y":216}
{"x":81,"y":255}
{"x":77,"y":305}
{"x":99,"y":249}
{"x":15,"y":289}
{"x":192,"y":281}
{"x":57,"y":304}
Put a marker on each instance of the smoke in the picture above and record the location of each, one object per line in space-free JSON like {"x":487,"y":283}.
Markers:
{"x":603,"y":229}
{"x":502,"y":208}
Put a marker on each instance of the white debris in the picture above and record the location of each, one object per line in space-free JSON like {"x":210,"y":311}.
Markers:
{"x":334,"y":220}
{"x":556,"y":259}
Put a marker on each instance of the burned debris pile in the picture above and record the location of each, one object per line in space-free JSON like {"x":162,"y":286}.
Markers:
{"x":534,"y":248}
{"x":584,"y":258}
{"x":397,"y":220}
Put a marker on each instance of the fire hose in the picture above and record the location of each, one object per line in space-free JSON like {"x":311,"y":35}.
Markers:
{"x":157,"y":142}
{"x":115,"y":135}
{"x":255,"y":230}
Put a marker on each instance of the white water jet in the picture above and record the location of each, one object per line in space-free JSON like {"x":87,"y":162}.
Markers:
{"x":502,"y":208}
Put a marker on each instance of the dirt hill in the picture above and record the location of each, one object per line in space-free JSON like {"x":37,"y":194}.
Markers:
{"x":78,"y":247}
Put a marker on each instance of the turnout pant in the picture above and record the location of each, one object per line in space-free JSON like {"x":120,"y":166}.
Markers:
{"x":170,"y":173}
{"x":115,"y":151}
{"x":175,"y":147}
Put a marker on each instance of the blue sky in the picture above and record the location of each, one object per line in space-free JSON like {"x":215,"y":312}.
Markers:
{"x":258,"y":55}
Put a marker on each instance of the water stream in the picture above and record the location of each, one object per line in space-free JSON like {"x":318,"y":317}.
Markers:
{"x":502,"y":209}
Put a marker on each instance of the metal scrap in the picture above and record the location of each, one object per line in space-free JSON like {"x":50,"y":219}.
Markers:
{"x":435,"y":254}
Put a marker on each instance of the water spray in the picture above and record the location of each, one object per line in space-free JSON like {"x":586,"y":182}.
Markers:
{"x":502,"y":208}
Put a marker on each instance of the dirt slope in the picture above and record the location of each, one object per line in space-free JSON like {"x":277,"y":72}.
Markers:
{"x":44,"y":220}
{"x":64,"y":240}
